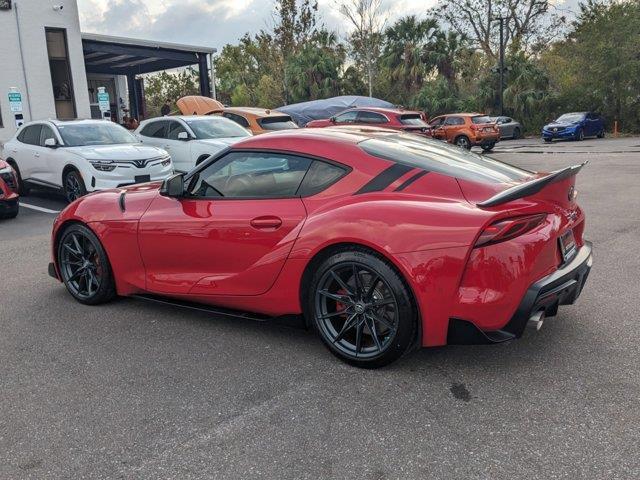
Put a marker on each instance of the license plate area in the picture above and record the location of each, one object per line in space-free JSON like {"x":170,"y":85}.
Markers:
{"x":568,"y":247}
{"x":142,"y":178}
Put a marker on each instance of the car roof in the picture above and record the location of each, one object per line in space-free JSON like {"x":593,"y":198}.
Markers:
{"x":346,"y":135}
{"x":76,"y":121}
{"x":258,"y":112}
{"x":394,"y":111}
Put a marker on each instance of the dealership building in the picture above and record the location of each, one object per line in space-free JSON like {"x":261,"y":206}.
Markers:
{"x":50,"y":69}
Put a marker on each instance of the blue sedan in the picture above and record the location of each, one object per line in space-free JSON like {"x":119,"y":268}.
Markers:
{"x":575,"y":126}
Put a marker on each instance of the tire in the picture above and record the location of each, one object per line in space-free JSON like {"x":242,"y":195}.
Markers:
{"x":580,"y":135}
{"x":516,"y":133}
{"x":74,"y":186}
{"x":366,"y":336}
{"x":547,"y":140}
{"x":488,"y":146}
{"x":84,"y":266}
{"x":23,"y":188}
{"x":13,"y":213}
{"x":463,"y":142}
{"x":601,"y":134}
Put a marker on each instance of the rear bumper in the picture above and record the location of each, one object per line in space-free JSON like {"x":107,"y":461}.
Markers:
{"x":562,"y":287}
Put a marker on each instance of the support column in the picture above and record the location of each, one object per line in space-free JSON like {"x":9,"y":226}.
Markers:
{"x":203,"y":72}
{"x":133,"y":96}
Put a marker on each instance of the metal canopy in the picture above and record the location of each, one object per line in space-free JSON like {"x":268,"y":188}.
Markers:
{"x":105,"y":54}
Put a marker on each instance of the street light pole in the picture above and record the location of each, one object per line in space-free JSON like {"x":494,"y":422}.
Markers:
{"x":501,"y":66}
{"x":213,"y":74}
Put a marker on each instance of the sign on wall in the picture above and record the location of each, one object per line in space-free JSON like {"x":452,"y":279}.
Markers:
{"x":5,"y":4}
{"x":15,"y":102}
{"x":103,"y":100}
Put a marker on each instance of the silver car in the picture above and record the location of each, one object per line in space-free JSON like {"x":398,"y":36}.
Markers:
{"x":509,"y":128}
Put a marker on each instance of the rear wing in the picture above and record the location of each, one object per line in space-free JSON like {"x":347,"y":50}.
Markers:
{"x":532,"y":187}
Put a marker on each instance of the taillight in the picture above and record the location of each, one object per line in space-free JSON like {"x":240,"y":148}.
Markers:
{"x":474,"y":127}
{"x":503,"y":230}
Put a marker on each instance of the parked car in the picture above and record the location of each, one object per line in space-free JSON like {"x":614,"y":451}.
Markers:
{"x":509,"y":128}
{"x":190,"y":139}
{"x":9,"y":201}
{"x":259,"y":120}
{"x":396,"y":119}
{"x":304,"y":112}
{"x":466,"y":130}
{"x":382,"y":240}
{"x":80,"y":156}
{"x":575,"y":126}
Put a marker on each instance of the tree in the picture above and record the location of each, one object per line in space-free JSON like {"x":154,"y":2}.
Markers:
{"x":314,"y":72}
{"x":529,"y":25}
{"x":368,"y":19}
{"x":171,"y":86}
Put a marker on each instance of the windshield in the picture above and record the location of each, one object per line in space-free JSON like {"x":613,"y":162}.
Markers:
{"x":97,"y":133}
{"x":413,"y":120}
{"x":277,"y":123}
{"x":216,"y":127}
{"x":481,"y":119}
{"x":439,"y":157}
{"x":570,"y":118}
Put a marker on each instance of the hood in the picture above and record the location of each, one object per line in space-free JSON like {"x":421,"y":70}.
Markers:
{"x":118,"y":153}
{"x":222,"y":142}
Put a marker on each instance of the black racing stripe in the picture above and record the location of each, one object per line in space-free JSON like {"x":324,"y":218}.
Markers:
{"x":410,"y":180}
{"x":385,"y":178}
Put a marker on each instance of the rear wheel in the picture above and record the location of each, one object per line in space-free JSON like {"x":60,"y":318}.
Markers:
{"x":74,"y":186}
{"x":487,"y":147}
{"x":463,"y":142}
{"x":23,"y":189}
{"x":361,"y":308}
{"x":601,"y":133}
{"x":547,"y":140}
{"x":84,"y":266}
{"x":516,"y":133}
{"x":11,"y":212}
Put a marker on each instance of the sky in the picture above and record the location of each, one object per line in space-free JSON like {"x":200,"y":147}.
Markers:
{"x":211,"y":23}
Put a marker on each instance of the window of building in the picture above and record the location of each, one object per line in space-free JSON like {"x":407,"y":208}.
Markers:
{"x":60,"y":72}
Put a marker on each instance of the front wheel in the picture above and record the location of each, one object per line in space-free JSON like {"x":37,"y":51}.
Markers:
{"x":84,"y":266}
{"x":516,"y":133}
{"x":74,"y":186}
{"x":362,"y":309}
{"x":547,"y":140}
{"x":580,"y":135}
{"x":463,"y":142}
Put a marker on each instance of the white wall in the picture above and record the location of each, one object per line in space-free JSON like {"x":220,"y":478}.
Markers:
{"x":34,"y":16}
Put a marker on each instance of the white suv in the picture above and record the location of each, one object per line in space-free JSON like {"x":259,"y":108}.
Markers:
{"x":190,"y":139}
{"x":80,"y":156}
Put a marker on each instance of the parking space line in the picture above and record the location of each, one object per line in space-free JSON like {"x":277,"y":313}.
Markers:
{"x":39,"y":209}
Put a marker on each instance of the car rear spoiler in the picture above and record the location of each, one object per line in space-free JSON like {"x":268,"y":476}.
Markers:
{"x":532,"y":187}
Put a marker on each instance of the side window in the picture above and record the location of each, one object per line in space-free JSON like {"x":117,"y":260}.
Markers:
{"x":155,"y":129}
{"x":239,"y":119}
{"x":507,"y":120}
{"x":347,"y":117}
{"x":174,"y":129}
{"x":454,"y":121}
{"x":371,"y":117}
{"x":436,"y":122}
{"x":45,"y":133}
{"x":31,"y":135}
{"x":321,"y":175}
{"x":252,"y":175}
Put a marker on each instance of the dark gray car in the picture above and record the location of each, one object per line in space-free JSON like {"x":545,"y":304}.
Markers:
{"x":509,"y":128}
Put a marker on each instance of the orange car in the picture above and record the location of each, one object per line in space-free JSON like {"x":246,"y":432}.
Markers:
{"x":466,"y":130}
{"x":259,"y":120}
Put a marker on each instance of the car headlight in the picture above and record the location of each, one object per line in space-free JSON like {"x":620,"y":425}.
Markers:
{"x":166,"y":162}
{"x":103,"y":165}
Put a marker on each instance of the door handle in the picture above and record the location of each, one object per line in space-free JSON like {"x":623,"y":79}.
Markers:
{"x":268,"y":222}
{"x":36,"y":155}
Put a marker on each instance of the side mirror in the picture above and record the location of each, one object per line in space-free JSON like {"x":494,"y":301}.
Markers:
{"x":332,"y":119}
{"x":51,"y":143}
{"x":183,"y":136}
{"x":173,"y":186}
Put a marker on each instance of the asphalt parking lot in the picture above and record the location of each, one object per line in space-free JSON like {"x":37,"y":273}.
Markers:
{"x":134,"y":390}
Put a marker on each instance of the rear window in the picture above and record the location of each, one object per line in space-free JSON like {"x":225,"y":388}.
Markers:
{"x":481,"y":119}
{"x":413,"y":120}
{"x":277,"y":123}
{"x":439,"y":157}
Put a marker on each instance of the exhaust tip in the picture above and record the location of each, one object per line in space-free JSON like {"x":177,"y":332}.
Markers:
{"x":537,"y":319}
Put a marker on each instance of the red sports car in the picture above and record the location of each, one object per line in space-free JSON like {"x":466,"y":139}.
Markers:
{"x":382,"y":240}
{"x":9,"y":202}
{"x":396,"y":119}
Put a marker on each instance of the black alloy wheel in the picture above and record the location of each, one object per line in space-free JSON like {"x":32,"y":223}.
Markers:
{"x":362,"y":309}
{"x":84,"y":266}
{"x":487,"y":147}
{"x":74,"y":187}
{"x":580,"y":135}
